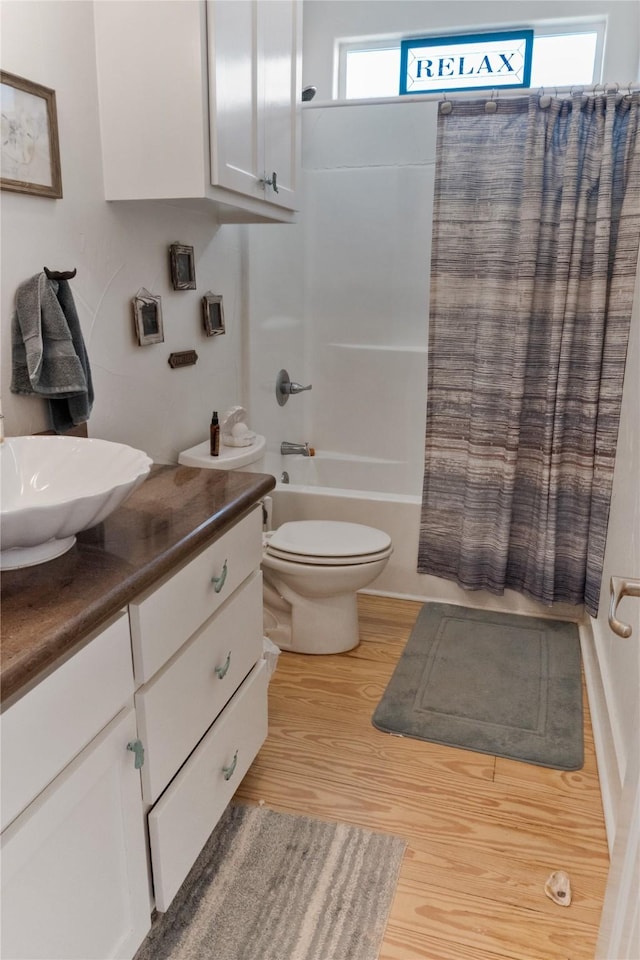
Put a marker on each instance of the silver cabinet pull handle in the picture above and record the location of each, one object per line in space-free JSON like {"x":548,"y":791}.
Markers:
{"x":621,"y":587}
{"x":138,"y":752}
{"x":221,"y":672}
{"x":218,"y":582}
{"x":229,"y":771}
{"x":271,"y":181}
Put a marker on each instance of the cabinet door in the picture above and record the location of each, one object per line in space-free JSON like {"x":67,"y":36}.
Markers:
{"x":254,"y":95}
{"x":280,"y":93}
{"x":235,"y":120}
{"x":74,"y":869}
{"x":52,"y":723}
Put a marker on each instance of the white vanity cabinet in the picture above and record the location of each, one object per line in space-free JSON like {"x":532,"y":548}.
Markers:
{"x":117,"y":766}
{"x":202,"y":696}
{"x":199,"y":99}
{"x":74,"y":859}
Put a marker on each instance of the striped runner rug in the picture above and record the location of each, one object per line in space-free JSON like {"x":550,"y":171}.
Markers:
{"x":273,"y":886}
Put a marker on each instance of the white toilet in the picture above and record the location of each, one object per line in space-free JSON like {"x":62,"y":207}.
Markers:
{"x":311,"y":569}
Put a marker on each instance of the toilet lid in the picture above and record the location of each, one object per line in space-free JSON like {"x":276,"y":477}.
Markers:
{"x":328,"y":541}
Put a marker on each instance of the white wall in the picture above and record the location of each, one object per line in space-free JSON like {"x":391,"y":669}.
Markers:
{"x":326,"y":21}
{"x":117,"y":248}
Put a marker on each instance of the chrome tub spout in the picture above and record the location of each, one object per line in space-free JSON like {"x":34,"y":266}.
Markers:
{"x":287,"y":449}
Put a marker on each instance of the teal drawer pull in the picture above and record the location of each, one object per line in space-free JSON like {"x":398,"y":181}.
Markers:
{"x":228,"y":771}
{"x":138,"y":751}
{"x":218,"y":582}
{"x":221,"y":672}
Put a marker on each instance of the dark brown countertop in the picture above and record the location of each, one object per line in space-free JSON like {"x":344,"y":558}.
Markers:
{"x":50,"y":609}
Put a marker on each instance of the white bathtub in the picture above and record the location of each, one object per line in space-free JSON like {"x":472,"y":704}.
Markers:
{"x":330,"y":487}
{"x":339,"y":472}
{"x":361,"y":490}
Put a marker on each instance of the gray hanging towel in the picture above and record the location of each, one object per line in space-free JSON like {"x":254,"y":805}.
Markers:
{"x":48,"y":352}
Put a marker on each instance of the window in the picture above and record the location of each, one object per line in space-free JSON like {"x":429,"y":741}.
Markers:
{"x":568,"y":56}
{"x":466,"y":62}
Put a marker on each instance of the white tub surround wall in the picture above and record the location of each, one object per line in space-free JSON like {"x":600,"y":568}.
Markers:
{"x":369,"y":189}
{"x":276,"y":333}
{"x":357,"y":314}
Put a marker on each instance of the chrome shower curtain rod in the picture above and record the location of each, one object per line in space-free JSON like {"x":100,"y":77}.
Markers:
{"x":490,"y":93}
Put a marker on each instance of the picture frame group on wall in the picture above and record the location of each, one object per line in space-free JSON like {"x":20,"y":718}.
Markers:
{"x":213,"y":314}
{"x":30,"y":150}
{"x":147,"y":314}
{"x":183,"y":266}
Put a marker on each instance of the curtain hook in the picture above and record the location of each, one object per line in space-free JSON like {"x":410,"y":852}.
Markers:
{"x":544,"y":100}
{"x":491,"y":105}
{"x":446,"y":106}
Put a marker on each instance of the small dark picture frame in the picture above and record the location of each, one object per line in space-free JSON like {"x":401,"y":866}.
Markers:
{"x":147,"y":315}
{"x":183,"y":267}
{"x":212,"y":314}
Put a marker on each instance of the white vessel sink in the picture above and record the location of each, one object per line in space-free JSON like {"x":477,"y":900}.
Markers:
{"x":53,"y":487}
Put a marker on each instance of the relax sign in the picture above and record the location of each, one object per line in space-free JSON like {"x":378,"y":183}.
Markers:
{"x":479,"y":62}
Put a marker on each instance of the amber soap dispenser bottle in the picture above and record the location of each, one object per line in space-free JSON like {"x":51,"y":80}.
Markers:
{"x":214,"y":435}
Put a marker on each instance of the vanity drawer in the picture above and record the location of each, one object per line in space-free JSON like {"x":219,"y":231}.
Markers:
{"x":165,"y":617}
{"x":176,"y":708}
{"x":185,"y":815}
{"x":44,"y":730}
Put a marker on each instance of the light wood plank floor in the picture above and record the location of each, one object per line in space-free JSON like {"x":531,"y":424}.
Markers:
{"x":483,"y":834}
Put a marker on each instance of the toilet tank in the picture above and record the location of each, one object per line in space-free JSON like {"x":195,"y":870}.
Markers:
{"x":229,"y":458}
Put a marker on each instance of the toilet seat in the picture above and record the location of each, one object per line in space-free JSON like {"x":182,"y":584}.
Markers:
{"x":327,"y":543}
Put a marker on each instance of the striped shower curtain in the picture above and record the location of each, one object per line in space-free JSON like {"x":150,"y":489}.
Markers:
{"x":534,"y":259}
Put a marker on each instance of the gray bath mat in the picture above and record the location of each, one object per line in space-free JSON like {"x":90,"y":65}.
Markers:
{"x":273,"y":886}
{"x":495,"y":683}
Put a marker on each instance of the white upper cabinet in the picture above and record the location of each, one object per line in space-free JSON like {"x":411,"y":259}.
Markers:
{"x":199,"y":99}
{"x":254,"y":91}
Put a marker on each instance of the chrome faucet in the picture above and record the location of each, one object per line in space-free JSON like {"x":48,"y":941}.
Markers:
{"x":285,"y":387}
{"x":286,"y":449}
